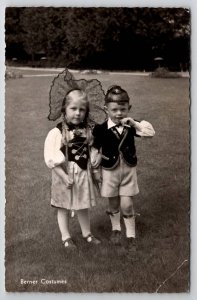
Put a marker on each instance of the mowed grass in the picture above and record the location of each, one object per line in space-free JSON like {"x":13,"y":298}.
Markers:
{"x":33,"y":243}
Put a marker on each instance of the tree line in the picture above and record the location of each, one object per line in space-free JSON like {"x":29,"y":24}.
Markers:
{"x":100,"y":38}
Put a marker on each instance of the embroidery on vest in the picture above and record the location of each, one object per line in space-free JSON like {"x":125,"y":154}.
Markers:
{"x":77,"y":148}
{"x":117,"y":134}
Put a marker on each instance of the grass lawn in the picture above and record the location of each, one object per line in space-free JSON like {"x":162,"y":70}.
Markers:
{"x":33,"y":242}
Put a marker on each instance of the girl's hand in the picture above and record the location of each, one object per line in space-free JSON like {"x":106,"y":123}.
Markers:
{"x":97,"y":176}
{"x":64,"y":177}
{"x":128,"y":122}
{"x":68,"y":181}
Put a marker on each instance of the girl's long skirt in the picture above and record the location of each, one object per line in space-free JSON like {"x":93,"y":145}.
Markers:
{"x":83,"y":193}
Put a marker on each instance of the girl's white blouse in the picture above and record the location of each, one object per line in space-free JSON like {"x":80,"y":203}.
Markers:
{"x":53,"y":156}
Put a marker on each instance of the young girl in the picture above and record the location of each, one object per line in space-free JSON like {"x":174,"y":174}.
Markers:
{"x":67,"y":153}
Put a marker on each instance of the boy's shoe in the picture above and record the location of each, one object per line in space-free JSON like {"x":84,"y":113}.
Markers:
{"x":69,"y":244}
{"x":131,"y":245}
{"x":90,"y":239}
{"x":115,"y":237}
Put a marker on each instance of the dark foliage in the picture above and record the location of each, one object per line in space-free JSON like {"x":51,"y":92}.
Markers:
{"x":101,"y":38}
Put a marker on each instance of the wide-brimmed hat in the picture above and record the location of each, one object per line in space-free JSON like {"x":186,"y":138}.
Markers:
{"x":66,"y":82}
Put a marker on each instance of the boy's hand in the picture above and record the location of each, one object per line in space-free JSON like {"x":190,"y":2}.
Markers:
{"x":96,"y":160}
{"x":128,"y":122}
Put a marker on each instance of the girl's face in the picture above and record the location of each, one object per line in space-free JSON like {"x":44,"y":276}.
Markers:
{"x":76,"y":110}
{"x":117,"y":112}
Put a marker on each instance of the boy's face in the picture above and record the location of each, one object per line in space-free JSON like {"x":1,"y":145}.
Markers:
{"x":117,"y":111}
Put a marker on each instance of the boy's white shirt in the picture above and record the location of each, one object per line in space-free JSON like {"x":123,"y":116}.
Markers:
{"x":144,"y":128}
{"x":111,"y":124}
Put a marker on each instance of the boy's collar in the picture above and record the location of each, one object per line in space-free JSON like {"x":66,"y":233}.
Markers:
{"x":110,"y":123}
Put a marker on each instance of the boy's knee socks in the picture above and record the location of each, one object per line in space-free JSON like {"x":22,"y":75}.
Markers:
{"x":115,"y":220}
{"x":130,"y":226}
{"x":128,"y":220}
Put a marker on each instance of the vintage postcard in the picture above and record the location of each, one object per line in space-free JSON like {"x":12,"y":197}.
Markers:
{"x":97,"y":149}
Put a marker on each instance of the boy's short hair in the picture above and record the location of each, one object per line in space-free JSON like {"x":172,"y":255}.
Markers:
{"x":116,"y":94}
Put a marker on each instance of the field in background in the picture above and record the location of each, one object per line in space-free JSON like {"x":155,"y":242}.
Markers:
{"x":33,"y":243}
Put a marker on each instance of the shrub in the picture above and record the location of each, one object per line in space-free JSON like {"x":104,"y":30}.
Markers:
{"x":162,"y":72}
{"x":12,"y":75}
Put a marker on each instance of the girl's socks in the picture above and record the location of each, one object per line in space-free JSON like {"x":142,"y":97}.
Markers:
{"x":63,"y":222}
{"x":84,"y":221}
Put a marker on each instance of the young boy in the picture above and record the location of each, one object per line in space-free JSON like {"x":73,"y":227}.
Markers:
{"x":114,"y":139}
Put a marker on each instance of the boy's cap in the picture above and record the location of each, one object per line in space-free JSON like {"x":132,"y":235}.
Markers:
{"x":116,"y":94}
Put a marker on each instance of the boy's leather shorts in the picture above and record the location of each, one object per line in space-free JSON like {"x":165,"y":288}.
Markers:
{"x":121,"y":181}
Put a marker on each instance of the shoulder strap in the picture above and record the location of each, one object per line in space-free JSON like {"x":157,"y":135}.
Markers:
{"x":89,"y":138}
{"x":59,"y":126}
{"x":64,"y":132}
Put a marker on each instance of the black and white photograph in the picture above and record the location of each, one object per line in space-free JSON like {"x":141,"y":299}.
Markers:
{"x":97,"y":149}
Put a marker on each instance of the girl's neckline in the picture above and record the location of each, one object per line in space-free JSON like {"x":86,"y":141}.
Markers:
{"x":71,"y":126}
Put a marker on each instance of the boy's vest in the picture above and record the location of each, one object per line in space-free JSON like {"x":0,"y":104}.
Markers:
{"x":114,"y":145}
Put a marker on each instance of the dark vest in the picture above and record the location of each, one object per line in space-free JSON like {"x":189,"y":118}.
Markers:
{"x":76,"y":150}
{"x":115,"y":145}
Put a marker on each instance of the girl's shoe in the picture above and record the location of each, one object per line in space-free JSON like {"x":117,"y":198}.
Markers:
{"x":92,"y":240}
{"x":69,"y":244}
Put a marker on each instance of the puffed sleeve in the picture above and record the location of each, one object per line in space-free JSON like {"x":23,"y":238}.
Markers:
{"x":53,"y":156}
{"x":144,"y":128}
